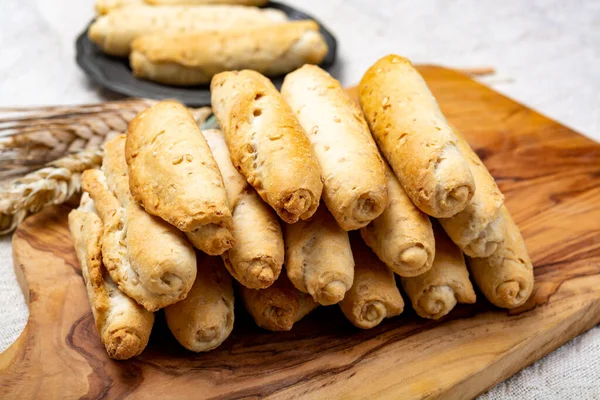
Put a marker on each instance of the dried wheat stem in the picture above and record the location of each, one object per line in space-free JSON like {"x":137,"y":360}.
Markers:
{"x":11,"y":114}
{"x":54,"y":184}
{"x":477,"y":71}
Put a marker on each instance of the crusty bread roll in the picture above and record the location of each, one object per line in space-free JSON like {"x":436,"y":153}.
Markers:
{"x":185,"y":59}
{"x":173,"y":175}
{"x":374,"y":294}
{"x":257,"y":256}
{"x":354,"y":187}
{"x":123,"y":325}
{"x":478,"y":229}
{"x":267,"y":143}
{"x":204,"y":319}
{"x":318,"y":258}
{"x":401,"y":236}
{"x":147,"y":258}
{"x":106,"y":6}
{"x":414,"y":136}
{"x":506,"y":276}
{"x":114,"y":32}
{"x":199,"y":2}
{"x":436,"y":292}
{"x":278,"y":307}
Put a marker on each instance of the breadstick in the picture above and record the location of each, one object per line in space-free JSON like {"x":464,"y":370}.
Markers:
{"x":123,"y":325}
{"x":402,"y":236}
{"x":414,"y":136}
{"x":506,"y":276}
{"x":199,"y":2}
{"x":278,"y":307}
{"x":114,"y":32}
{"x":204,"y":319}
{"x":106,"y":6}
{"x":257,"y":256}
{"x":436,"y":292}
{"x":173,"y":175}
{"x":318,"y":258}
{"x":479,"y":229}
{"x":185,"y":59}
{"x":147,"y":258}
{"x":354,"y":187}
{"x":267,"y":143}
{"x":374,"y":294}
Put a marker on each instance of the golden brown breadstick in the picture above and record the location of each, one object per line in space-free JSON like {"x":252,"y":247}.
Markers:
{"x":204,"y":319}
{"x":199,"y":2}
{"x":414,"y":136}
{"x":505,"y":277}
{"x":478,"y":229}
{"x":173,"y":175}
{"x":354,"y":187}
{"x":374,"y":294}
{"x":114,"y":32}
{"x":402,"y":236}
{"x":267,"y":143}
{"x":123,"y":325}
{"x":278,"y":307}
{"x":257,"y":256}
{"x":147,"y":258}
{"x":318,"y":258}
{"x":185,"y":59}
{"x":106,"y":6}
{"x":436,"y":292}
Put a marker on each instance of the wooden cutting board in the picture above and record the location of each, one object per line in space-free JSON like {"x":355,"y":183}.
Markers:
{"x":551,"y":178}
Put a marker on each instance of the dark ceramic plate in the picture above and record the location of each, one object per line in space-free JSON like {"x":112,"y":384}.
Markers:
{"x":115,"y":74}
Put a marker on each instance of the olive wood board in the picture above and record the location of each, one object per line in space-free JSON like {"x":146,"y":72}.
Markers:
{"x":551,"y":178}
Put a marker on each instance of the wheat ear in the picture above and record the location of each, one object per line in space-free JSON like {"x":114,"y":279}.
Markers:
{"x":54,"y":184}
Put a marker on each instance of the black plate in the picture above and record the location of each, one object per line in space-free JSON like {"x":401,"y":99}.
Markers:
{"x":115,"y":74}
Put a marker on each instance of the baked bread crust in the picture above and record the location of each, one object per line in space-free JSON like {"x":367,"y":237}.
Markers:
{"x":257,"y":257}
{"x":185,"y":59}
{"x":123,"y":325}
{"x":106,"y":6}
{"x":436,"y":292}
{"x":201,"y":2}
{"x":267,"y":144}
{"x":374,"y":295}
{"x":204,"y":319}
{"x":506,"y":276}
{"x":401,"y":236}
{"x":278,"y":307}
{"x":354,"y":185}
{"x":154,"y":275}
{"x":115,"y":31}
{"x":415,"y":137}
{"x":174,"y":176}
{"x":479,"y":229}
{"x":318,"y":258}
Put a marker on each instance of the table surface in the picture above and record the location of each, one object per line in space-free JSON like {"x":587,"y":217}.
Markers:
{"x":546,"y":54}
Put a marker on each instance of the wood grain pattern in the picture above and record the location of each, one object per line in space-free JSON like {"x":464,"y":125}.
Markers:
{"x":551,"y":178}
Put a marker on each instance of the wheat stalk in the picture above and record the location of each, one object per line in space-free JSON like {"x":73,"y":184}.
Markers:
{"x":12,"y":114}
{"x":32,"y":137}
{"x":54,"y":184}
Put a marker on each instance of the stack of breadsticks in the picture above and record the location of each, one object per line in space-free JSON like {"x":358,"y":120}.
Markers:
{"x":187,"y":42}
{"x":275,"y":194}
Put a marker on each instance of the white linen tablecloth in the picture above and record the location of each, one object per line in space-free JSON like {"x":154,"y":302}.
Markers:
{"x":546,"y":53}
